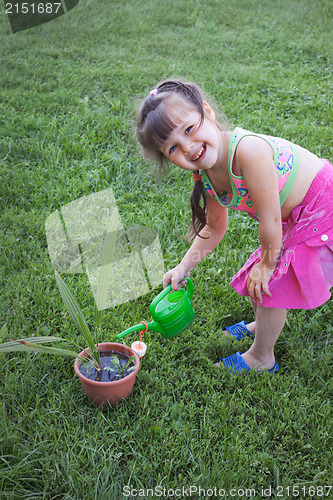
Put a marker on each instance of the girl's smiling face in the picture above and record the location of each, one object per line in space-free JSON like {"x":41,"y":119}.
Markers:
{"x":195,"y":143}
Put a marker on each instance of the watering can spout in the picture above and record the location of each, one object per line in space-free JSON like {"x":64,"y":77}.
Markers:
{"x":139,"y":328}
{"x":172,"y":312}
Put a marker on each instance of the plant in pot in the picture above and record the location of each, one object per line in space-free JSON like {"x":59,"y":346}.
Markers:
{"x":107,"y":371}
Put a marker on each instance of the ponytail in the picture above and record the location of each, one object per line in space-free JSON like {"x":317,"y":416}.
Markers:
{"x":198,"y":211}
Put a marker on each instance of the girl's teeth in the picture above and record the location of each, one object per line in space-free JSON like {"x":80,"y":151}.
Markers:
{"x":199,"y":154}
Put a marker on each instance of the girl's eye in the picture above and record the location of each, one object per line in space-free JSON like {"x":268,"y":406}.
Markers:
{"x":171,"y":150}
{"x":188,"y":129}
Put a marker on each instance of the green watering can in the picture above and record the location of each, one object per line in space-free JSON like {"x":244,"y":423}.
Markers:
{"x":172,"y":312}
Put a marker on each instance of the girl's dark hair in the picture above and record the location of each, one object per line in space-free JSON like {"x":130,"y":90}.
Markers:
{"x":159,"y":114}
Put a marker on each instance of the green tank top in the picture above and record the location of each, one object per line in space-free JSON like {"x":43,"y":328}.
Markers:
{"x":286,"y":159}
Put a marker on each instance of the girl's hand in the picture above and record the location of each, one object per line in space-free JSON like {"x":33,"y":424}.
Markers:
{"x":175,"y":277}
{"x":257,"y":282}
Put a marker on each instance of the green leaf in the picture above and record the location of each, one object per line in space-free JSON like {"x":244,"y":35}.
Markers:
{"x":37,"y":340}
{"x":105,"y":270}
{"x":98,"y":316}
{"x":127,"y":366}
{"x":89,"y":339}
{"x":115,"y":360}
{"x":175,"y":412}
{"x":3,"y":332}
{"x":71,"y":304}
{"x":26,"y":346}
{"x":77,"y":317}
{"x":108,"y":368}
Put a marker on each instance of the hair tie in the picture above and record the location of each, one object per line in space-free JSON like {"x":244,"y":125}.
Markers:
{"x":196,"y":177}
{"x":153,"y":92}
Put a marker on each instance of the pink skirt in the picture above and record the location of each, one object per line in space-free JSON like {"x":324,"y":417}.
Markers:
{"x":304,"y":274}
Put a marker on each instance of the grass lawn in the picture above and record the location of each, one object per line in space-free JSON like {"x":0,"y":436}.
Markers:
{"x":68,"y":90}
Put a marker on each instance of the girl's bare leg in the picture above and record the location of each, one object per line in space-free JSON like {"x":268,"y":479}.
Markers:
{"x":250,"y":326}
{"x":268,"y":326}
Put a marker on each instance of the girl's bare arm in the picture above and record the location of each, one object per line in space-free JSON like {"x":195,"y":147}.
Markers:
{"x":255,"y":160}
{"x":213,"y":232}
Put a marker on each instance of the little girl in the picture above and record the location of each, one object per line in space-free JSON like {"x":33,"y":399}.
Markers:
{"x":285,"y":187}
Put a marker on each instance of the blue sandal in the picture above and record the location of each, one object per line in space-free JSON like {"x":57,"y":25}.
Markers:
{"x":236,"y":363}
{"x":238,"y":331}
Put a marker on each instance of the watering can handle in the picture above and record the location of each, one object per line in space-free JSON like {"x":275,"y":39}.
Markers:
{"x":189,"y":288}
{"x":168,"y":289}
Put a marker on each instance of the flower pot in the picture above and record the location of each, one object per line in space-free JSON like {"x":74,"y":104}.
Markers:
{"x":109,"y":393}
